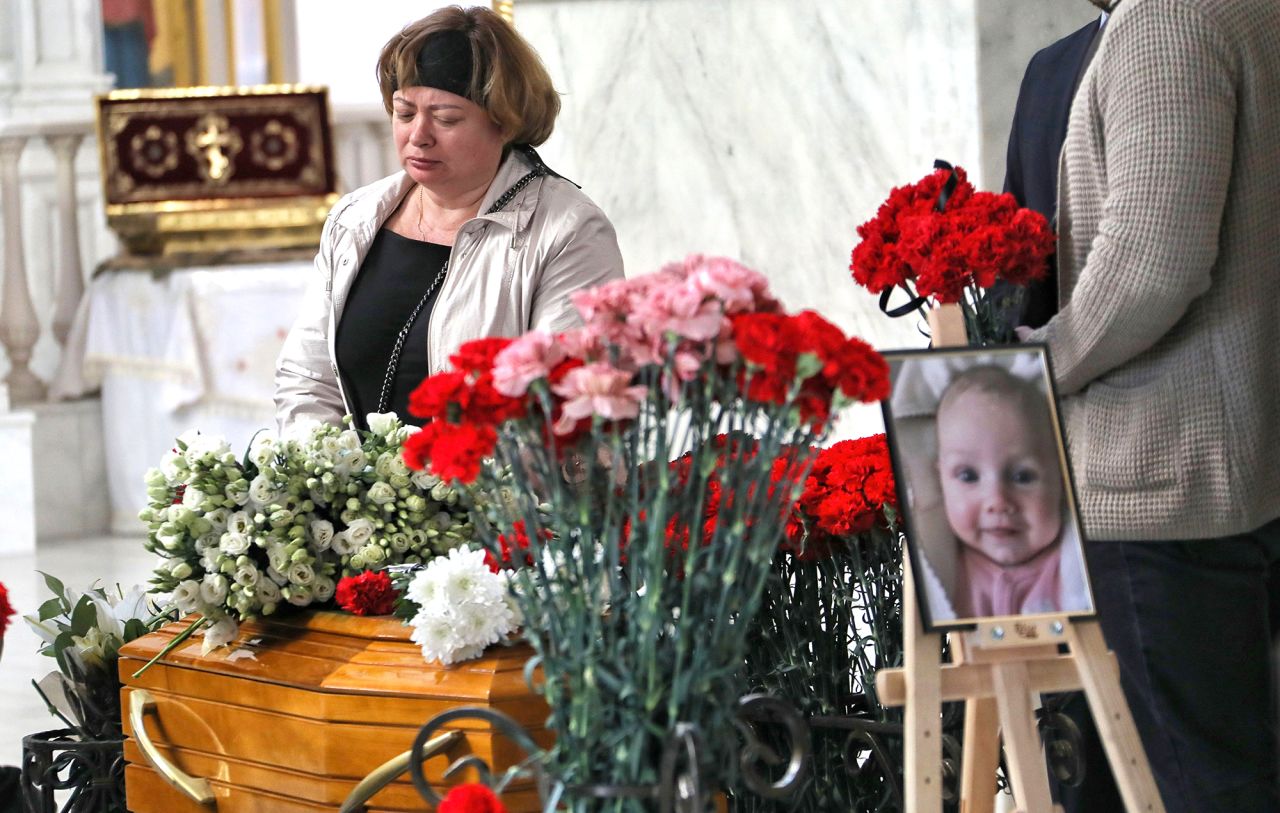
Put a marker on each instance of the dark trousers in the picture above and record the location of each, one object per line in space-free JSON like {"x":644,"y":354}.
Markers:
{"x":1193,"y":625}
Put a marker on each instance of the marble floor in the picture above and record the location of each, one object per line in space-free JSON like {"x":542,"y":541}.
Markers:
{"x":78,"y":563}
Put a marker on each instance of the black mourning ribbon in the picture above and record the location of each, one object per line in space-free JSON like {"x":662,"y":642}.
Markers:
{"x":917,"y":302}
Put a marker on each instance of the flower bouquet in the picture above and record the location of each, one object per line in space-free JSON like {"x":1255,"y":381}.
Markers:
{"x":83,"y":633}
{"x":648,"y":451}
{"x":830,"y":617}
{"x":942,"y":242}
{"x":243,"y":538}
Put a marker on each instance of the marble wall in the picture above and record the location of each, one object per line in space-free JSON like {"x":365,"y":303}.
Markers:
{"x":767,"y":130}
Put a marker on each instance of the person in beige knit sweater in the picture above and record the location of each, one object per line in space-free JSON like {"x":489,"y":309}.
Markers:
{"x":1167,"y":350}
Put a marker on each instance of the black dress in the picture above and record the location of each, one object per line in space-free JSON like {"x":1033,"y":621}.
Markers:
{"x":395,"y":274}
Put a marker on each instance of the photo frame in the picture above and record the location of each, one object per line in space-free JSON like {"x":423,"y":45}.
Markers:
{"x":985,"y":487}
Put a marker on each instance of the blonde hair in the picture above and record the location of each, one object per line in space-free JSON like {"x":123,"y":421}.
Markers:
{"x":1032,"y":404}
{"x":509,"y":80}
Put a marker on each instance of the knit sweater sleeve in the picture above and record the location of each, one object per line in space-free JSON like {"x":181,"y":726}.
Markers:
{"x":1162,"y":116}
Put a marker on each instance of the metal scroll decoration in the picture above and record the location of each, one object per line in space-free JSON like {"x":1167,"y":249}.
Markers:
{"x":776,"y":738}
{"x":87,"y":774}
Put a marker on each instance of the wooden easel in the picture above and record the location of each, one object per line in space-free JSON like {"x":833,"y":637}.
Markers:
{"x":999,"y":670}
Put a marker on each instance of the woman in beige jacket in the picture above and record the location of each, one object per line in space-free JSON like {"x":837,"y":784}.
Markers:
{"x":476,"y":237}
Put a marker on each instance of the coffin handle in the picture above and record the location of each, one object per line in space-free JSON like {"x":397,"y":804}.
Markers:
{"x":197,"y":790}
{"x":387,"y":772}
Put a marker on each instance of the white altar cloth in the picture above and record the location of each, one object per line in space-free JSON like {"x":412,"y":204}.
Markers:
{"x":191,"y":349}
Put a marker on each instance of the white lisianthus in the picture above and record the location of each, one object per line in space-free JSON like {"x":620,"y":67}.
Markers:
{"x":213,"y":588}
{"x":179,"y":569}
{"x":299,"y":595}
{"x":381,"y":493}
{"x":321,"y":533}
{"x":323,"y":588}
{"x":267,"y":591}
{"x":382,"y":423}
{"x":278,"y":556}
{"x":264,"y":451}
{"x":234,"y":544}
{"x":192,"y":498}
{"x":240,"y":522}
{"x":360,"y":531}
{"x":247,"y":574}
{"x":262,"y":491}
{"x":219,"y":633}
{"x":424,"y":479}
{"x":301,"y":573}
{"x":373,"y":555}
{"x":342,"y":543}
{"x":187,"y":596}
{"x":217,"y":519}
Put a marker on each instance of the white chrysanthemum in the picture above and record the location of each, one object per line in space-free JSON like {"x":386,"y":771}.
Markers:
{"x":462,"y":607}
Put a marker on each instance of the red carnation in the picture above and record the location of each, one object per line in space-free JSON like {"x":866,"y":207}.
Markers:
{"x":6,"y":610}
{"x":369,"y":593}
{"x":471,"y":798}
{"x":845,"y":494}
{"x":477,"y":356}
{"x":453,"y":451}
{"x":978,"y":239}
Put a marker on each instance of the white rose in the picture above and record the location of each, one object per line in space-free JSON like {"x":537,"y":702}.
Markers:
{"x":321,"y":533}
{"x":213,"y":589}
{"x":381,"y":493}
{"x":234,"y":544}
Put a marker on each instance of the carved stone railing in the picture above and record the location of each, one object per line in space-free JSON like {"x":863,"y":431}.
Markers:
{"x":362,"y":153}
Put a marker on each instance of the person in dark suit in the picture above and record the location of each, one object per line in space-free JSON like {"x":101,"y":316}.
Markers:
{"x":1035,"y":141}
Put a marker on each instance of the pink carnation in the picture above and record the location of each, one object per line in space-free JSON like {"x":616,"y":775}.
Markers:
{"x":525,"y":360}
{"x":738,"y":287}
{"x":680,"y":309}
{"x":597,"y":389}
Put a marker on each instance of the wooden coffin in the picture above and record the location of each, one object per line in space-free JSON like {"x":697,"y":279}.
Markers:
{"x":296,"y":712}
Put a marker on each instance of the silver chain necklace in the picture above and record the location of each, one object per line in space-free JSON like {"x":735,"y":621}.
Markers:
{"x":393,"y":364}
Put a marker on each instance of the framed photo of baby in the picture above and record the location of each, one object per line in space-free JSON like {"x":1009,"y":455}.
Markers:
{"x":990,"y":514}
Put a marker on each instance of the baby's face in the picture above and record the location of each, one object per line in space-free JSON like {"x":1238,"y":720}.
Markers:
{"x":1001,"y":485}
